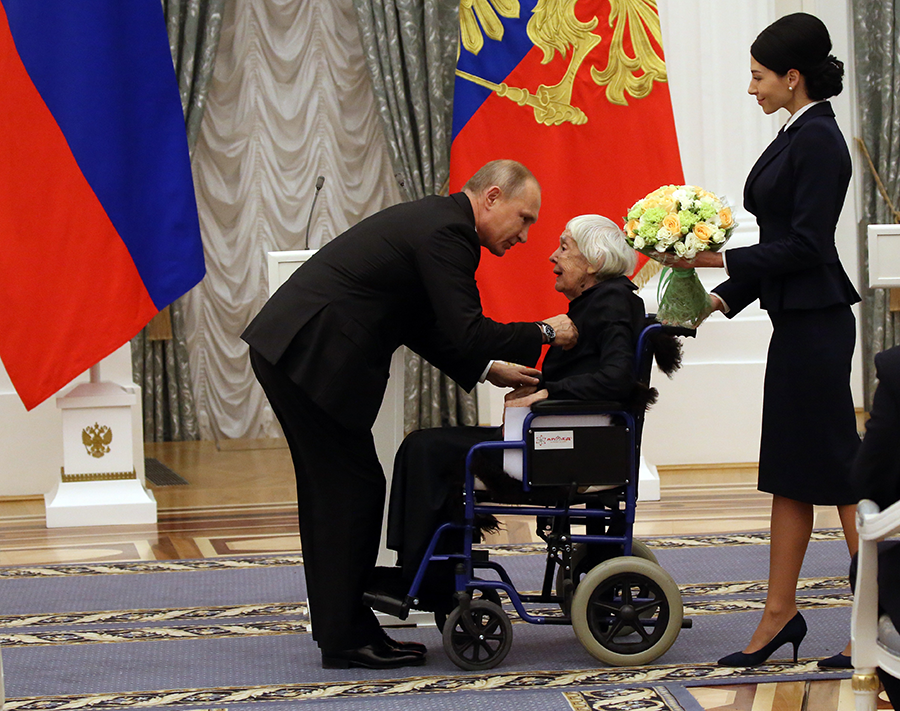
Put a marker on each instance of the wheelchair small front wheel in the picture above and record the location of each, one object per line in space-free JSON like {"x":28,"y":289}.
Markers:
{"x":627,"y":611}
{"x":484,"y":643}
{"x":491,"y":594}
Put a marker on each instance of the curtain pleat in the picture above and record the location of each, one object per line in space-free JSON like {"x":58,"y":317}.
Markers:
{"x":410,"y":48}
{"x":877,"y":53}
{"x":290,"y":99}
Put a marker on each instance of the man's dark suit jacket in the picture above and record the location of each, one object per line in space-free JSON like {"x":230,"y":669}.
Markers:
{"x":796,"y":190}
{"x":402,"y":276}
{"x":876,"y":472}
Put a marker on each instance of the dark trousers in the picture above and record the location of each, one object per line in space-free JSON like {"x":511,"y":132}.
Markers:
{"x":426,"y":489}
{"x":340,"y":500}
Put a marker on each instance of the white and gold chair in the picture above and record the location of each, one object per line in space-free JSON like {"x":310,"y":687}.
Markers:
{"x":876,"y":642}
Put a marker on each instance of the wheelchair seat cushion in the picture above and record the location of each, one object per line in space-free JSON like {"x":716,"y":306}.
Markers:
{"x":888,"y":637}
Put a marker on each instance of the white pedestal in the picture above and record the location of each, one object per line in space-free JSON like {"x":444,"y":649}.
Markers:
{"x":648,"y":482}
{"x":99,"y":503}
{"x":99,"y":484}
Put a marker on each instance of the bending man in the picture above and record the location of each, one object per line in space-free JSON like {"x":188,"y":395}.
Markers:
{"x":321,"y":348}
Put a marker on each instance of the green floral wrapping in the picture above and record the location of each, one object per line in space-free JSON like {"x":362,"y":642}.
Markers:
{"x":684,"y":301}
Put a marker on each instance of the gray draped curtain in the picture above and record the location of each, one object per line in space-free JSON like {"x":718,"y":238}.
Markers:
{"x":877,"y":48}
{"x":411,"y":50}
{"x":159,"y":357}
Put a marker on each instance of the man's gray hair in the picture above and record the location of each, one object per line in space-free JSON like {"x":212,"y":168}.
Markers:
{"x":509,"y":175}
{"x":602,"y":242}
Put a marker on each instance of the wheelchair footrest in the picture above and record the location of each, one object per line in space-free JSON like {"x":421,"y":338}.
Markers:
{"x":388,"y":604}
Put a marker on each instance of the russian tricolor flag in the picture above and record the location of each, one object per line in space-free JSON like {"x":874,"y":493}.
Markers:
{"x":98,"y":220}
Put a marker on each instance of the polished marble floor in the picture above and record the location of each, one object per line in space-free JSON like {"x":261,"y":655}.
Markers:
{"x":240,"y":498}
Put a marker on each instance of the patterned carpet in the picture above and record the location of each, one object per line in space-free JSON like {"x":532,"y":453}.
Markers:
{"x":223,"y":633}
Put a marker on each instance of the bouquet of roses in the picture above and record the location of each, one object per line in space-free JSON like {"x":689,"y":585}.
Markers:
{"x":681,"y":220}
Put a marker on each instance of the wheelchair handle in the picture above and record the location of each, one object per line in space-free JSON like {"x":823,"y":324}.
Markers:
{"x":679,"y":330}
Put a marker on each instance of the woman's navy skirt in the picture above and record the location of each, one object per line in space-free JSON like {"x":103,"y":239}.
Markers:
{"x":809,"y":435}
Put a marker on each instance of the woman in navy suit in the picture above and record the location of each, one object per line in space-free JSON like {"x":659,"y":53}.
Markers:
{"x":796,"y":190}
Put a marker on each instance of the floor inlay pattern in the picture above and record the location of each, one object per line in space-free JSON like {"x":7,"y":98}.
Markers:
{"x":640,"y":699}
{"x":610,"y":678}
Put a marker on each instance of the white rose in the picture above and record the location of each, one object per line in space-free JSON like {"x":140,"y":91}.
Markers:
{"x":666,"y":238}
{"x":663,"y":235}
{"x":681,"y":195}
{"x":718,"y":237}
{"x":694,"y":244}
{"x":680,"y":249}
{"x":639,"y":242}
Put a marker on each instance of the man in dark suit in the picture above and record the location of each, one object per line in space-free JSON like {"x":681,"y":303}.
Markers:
{"x":321,"y":348}
{"x":876,"y":476}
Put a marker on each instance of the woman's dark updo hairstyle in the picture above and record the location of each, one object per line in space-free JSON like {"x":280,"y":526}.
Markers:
{"x":800,"y":41}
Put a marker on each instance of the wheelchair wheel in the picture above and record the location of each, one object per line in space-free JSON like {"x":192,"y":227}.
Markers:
{"x":627,"y":610}
{"x":481,"y":644}
{"x":581,"y":564}
{"x":489,"y":594}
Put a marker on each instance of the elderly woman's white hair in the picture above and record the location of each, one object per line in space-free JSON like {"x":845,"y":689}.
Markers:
{"x":602,"y":242}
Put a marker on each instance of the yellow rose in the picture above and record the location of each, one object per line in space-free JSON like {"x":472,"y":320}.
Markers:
{"x":630,"y":228}
{"x":703,"y":232}
{"x":651,"y":202}
{"x":726,"y":218}
{"x":672,"y":224}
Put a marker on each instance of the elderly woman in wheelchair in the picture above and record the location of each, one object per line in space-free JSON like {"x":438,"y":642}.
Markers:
{"x":435,"y":513}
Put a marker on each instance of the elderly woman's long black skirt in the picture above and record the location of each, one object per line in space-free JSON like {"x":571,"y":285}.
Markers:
{"x":809,"y":435}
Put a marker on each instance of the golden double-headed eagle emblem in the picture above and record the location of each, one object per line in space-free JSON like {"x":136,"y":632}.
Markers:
{"x":96,"y":439}
{"x":554,"y":27}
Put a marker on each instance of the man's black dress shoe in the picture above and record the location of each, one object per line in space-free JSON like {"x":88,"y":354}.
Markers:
{"x":372,"y":656}
{"x":398,"y":646}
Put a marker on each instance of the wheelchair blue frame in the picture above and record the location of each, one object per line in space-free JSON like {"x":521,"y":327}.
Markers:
{"x":467,"y":563}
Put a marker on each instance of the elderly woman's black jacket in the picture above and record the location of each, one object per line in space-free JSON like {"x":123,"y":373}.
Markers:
{"x":609,"y":317}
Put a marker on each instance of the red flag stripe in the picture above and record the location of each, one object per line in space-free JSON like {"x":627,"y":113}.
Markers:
{"x":67,"y":282}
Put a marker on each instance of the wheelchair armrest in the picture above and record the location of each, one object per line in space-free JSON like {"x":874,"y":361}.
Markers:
{"x":576,"y":407}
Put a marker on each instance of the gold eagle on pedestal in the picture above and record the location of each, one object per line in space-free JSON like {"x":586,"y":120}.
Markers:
{"x":554,"y":27}
{"x":96,"y":439}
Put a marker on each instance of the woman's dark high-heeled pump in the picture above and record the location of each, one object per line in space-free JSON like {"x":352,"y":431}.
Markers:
{"x":793,"y":632}
{"x":836,"y":661}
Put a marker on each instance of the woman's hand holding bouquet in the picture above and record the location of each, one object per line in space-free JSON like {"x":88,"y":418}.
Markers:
{"x":682,"y":226}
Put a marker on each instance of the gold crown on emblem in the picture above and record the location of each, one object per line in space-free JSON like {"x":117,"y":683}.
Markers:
{"x":96,"y":439}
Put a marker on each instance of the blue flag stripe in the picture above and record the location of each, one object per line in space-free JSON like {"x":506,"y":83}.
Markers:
{"x":104,"y":69}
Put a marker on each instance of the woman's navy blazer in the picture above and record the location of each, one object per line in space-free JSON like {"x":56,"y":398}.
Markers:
{"x":796,"y":191}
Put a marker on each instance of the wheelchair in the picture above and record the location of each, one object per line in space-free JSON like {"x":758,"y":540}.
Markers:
{"x":624,"y":607}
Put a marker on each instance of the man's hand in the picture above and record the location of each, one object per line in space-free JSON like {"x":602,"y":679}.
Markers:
{"x":511,"y":375}
{"x":566,"y":333}
{"x":526,"y":400}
